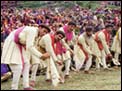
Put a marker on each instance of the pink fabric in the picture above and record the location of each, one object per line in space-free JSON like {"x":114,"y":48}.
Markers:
{"x":69,"y":34}
{"x":16,"y":40}
{"x":59,"y":48}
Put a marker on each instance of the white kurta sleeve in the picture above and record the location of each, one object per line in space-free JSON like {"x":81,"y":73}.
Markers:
{"x":74,"y":38}
{"x":48,"y":45}
{"x":119,"y":34}
{"x":81,"y":40}
{"x":30,"y":42}
{"x":65,"y":44}
{"x":104,"y":43}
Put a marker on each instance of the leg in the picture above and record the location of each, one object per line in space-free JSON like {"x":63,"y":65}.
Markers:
{"x":116,"y":56}
{"x":48,"y":72}
{"x":104,"y":59}
{"x":33,"y":74}
{"x":88,"y":63}
{"x":25,"y":74}
{"x":67,"y":59}
{"x":97,"y":60}
{"x":34,"y":71}
{"x":16,"y":69}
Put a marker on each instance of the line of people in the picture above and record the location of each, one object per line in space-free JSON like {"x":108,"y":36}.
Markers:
{"x":30,"y":46}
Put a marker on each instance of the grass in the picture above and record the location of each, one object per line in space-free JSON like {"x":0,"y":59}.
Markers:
{"x":86,"y":4}
{"x":103,"y":80}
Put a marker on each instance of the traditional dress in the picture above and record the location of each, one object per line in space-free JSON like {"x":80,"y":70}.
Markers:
{"x":17,"y":49}
{"x":47,"y":42}
{"x":83,"y":52}
{"x":36,"y":61}
{"x":103,"y":41}
{"x":116,"y":46}
{"x":69,"y":41}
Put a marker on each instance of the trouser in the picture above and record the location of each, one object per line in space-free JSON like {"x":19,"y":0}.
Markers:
{"x":52,"y":72}
{"x":48,"y":71}
{"x":17,"y":70}
{"x":116,"y":56}
{"x":34,"y":71}
{"x":103,"y":59}
{"x":98,"y":60}
{"x":67,"y":60}
{"x":88,"y":63}
{"x":59,"y":67}
{"x":79,"y":63}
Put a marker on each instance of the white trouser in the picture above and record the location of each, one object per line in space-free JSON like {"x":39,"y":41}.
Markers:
{"x":48,"y":71}
{"x":17,"y":69}
{"x":52,"y":72}
{"x":79,"y":62}
{"x":116,"y":56}
{"x":59,"y":67}
{"x":88,"y":63}
{"x":67,"y":59}
{"x":34,"y":71}
{"x":103,"y":59}
{"x":98,"y":60}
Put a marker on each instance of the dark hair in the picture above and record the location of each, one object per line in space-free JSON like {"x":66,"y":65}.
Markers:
{"x":44,"y":26}
{"x":108,"y":25}
{"x":60,"y":32}
{"x":89,"y":29}
{"x":72,"y":23}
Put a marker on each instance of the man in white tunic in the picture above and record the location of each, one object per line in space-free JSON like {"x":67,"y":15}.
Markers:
{"x":48,"y":42}
{"x":36,"y":61}
{"x":116,"y":46}
{"x":67,"y":42}
{"x":83,"y":51}
{"x":17,"y":49}
{"x":103,"y":41}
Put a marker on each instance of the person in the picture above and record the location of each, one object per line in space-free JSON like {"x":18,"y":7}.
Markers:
{"x":5,"y":72}
{"x":48,"y":42}
{"x":35,"y":61}
{"x":67,"y":43}
{"x":116,"y":46}
{"x":82,"y":51}
{"x":17,"y":48}
{"x":103,"y":41}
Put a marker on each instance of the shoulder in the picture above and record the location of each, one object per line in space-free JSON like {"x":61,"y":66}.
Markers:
{"x":46,"y":37}
{"x":81,"y":37}
{"x":29,"y":28}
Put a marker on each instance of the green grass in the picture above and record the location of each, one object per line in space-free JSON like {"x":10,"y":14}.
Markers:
{"x":103,"y":80}
{"x":41,"y":4}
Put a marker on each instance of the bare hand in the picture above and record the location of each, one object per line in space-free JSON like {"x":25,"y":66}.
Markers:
{"x":59,"y":63}
{"x":71,"y":52}
{"x":45,"y":56}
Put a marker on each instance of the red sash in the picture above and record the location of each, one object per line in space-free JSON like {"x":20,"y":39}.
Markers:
{"x":107,"y":38}
{"x":53,"y":42}
{"x":59,"y":48}
{"x":16,"y":40}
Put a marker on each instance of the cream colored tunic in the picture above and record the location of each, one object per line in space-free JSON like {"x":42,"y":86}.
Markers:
{"x":11,"y":53}
{"x":116,"y":45}
{"x":101,"y":37}
{"x":45,"y":43}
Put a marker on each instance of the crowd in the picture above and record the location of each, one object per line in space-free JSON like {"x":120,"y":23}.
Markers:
{"x":77,"y":25}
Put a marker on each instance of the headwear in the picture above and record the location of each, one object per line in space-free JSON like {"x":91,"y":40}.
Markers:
{"x":45,"y":26}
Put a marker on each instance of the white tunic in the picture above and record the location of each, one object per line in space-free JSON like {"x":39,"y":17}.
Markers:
{"x":101,"y":37}
{"x":11,"y":53}
{"x":116,"y":45}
